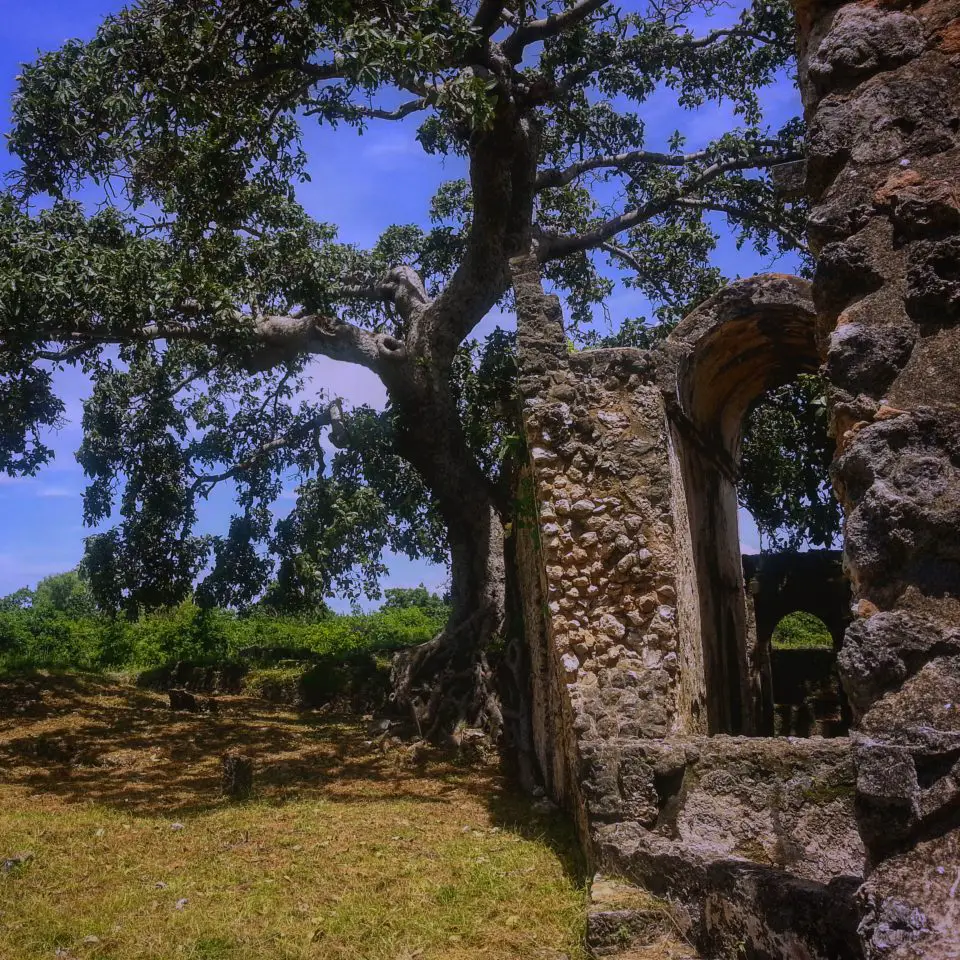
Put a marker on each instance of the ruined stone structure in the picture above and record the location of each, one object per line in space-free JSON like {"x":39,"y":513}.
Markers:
{"x":799,"y":690}
{"x":649,"y":689}
{"x":647,"y":697}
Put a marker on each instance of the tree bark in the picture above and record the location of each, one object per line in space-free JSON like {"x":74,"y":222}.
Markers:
{"x":449,"y":681}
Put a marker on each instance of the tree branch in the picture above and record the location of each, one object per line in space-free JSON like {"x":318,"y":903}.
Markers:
{"x":331,"y":417}
{"x":317,"y":72}
{"x":550,"y":26}
{"x":721,"y":33}
{"x":502,"y":178}
{"x":623,"y":254}
{"x":561,"y":176}
{"x":404,"y":110}
{"x":555,"y":247}
{"x":276,"y":336}
{"x":401,"y":286}
{"x":330,"y":337}
{"x":731,"y":210}
{"x":489,"y":16}
{"x":63,"y":356}
{"x":377,"y":113}
{"x":406,"y":291}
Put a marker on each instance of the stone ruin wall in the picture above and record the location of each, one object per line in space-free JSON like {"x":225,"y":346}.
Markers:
{"x":597,"y":549}
{"x":641,"y":656}
{"x":620,"y":572}
{"x":881,"y":89}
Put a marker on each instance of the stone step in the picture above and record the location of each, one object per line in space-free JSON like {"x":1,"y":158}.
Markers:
{"x":625,"y":922}
{"x":665,"y":950}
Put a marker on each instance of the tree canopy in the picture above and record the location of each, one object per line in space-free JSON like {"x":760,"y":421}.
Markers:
{"x":784,"y":462}
{"x":195,"y":295}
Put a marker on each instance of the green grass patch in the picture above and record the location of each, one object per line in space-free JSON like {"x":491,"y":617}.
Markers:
{"x":350,"y":848}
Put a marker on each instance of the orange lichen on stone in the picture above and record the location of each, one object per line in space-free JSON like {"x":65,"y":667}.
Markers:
{"x":848,"y":435}
{"x":893,"y":185}
{"x":866,"y":609}
{"x":950,"y":38}
{"x":885,"y":412}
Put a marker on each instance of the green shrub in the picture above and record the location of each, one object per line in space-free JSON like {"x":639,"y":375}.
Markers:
{"x":40,"y":636}
{"x":185,"y":632}
{"x":53,"y":627}
{"x":66,"y":592}
{"x":801,"y":630}
{"x":359,"y":677}
{"x":386,"y":629}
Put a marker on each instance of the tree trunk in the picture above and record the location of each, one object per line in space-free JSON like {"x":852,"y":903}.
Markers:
{"x":449,"y":681}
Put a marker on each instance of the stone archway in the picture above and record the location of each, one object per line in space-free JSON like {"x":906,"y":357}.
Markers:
{"x":753,"y":336}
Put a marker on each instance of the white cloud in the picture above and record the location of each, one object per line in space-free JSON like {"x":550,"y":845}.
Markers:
{"x":56,"y":492}
{"x":391,"y":147}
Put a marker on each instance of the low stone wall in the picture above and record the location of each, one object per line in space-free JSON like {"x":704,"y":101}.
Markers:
{"x":225,"y":677}
{"x":778,"y":802}
{"x":756,"y":838}
{"x":295,"y":677}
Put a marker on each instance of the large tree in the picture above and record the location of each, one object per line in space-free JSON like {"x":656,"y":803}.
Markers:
{"x":196,"y":294}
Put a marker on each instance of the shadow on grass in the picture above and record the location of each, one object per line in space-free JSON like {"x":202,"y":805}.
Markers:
{"x":87,"y":739}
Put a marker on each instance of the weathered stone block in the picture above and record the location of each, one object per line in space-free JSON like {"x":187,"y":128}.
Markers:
{"x":236,"y":779}
{"x":859,"y":41}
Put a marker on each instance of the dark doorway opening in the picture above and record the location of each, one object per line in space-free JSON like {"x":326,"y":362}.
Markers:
{"x":798,"y":609}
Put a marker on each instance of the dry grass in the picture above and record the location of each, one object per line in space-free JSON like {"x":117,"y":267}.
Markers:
{"x":351,"y":848}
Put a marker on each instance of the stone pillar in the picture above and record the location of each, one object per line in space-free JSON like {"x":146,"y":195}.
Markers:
{"x":604,"y":551}
{"x":881,"y":90}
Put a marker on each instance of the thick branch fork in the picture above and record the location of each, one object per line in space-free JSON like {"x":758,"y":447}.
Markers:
{"x":536,"y":30}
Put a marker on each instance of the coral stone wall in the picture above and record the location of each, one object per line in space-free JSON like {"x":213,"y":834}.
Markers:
{"x":600,"y":554}
{"x":881,"y":88}
{"x":603,"y":489}
{"x":636,"y":621}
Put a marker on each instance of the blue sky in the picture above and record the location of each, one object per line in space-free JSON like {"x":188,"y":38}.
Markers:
{"x":363,"y":184}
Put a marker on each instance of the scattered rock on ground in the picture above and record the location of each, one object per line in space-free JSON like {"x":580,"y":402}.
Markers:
{"x":182,"y":700}
{"x":17,"y":860}
{"x":236,"y":776}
